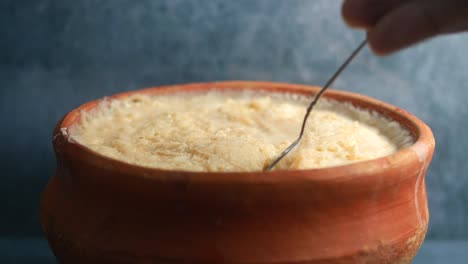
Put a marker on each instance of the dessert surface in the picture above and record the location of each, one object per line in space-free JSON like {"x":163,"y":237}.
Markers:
{"x":235,"y":131}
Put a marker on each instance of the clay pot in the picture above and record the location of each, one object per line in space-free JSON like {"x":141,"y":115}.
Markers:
{"x":99,"y":210}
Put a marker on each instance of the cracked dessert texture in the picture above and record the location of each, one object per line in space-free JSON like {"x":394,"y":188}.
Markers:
{"x":235,"y":131}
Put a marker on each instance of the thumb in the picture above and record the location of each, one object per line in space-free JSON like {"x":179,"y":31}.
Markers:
{"x":416,"y":21}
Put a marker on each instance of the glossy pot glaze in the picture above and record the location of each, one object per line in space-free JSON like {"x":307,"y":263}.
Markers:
{"x":99,"y":210}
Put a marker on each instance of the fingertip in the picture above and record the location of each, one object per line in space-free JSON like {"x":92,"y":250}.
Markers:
{"x":378,"y":44}
{"x":351,"y":15}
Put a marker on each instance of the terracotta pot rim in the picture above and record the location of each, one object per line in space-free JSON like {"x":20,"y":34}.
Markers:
{"x":420,"y":150}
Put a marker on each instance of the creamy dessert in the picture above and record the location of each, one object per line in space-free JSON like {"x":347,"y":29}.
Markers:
{"x":235,"y":131}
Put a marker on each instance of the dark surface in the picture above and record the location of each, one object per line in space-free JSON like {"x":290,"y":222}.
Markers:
{"x":55,"y":55}
{"x":29,"y":251}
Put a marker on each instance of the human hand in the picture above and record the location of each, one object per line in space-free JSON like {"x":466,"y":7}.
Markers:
{"x":396,"y":24}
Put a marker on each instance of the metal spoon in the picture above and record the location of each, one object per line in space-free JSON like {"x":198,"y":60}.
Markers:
{"x":312,"y":104}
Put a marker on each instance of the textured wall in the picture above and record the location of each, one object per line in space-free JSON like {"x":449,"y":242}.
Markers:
{"x":55,"y":55}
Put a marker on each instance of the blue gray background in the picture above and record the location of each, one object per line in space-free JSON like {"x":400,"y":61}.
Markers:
{"x":56,"y":55}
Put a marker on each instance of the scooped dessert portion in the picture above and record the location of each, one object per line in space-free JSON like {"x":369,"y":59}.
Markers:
{"x":235,"y":131}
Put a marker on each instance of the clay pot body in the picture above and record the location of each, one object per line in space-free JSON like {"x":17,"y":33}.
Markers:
{"x":99,"y":210}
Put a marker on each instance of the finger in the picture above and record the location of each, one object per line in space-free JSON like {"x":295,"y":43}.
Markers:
{"x":417,"y":21}
{"x":366,"y":13}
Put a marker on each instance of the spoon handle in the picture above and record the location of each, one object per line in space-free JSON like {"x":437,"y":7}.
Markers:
{"x":313,"y":103}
